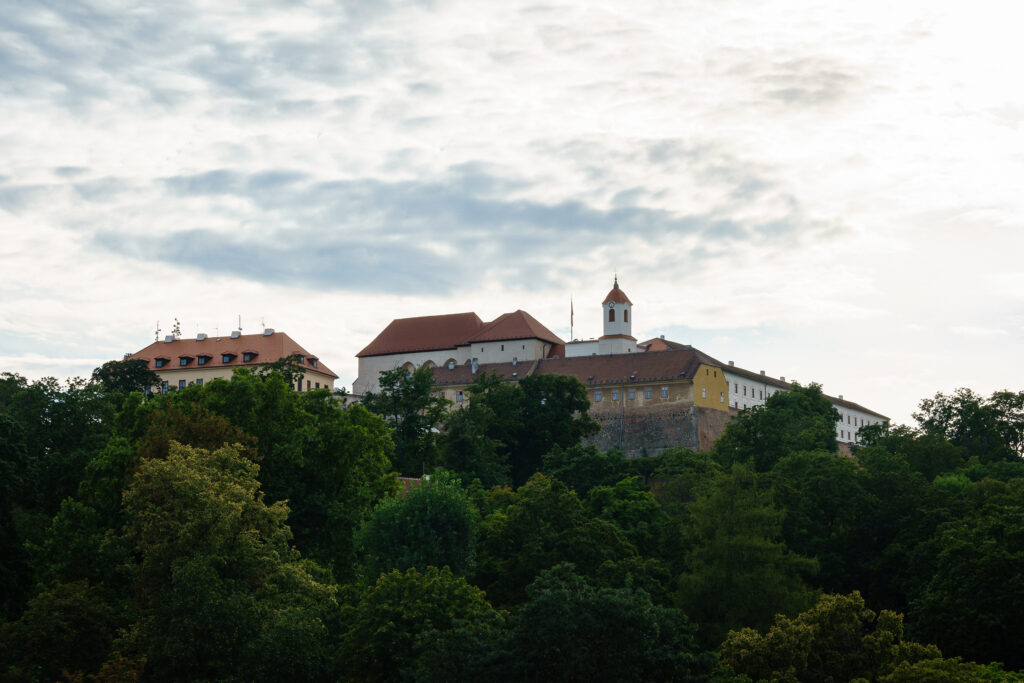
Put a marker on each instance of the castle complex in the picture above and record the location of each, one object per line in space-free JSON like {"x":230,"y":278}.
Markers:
{"x":647,"y":396}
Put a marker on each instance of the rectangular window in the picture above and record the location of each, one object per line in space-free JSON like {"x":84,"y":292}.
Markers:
{"x":247,"y":357}
{"x":458,"y":397}
{"x":201,"y":360}
{"x":502,"y":347}
{"x":183,"y":361}
{"x":664,"y":392}
{"x":721,"y":397}
{"x":199,"y":382}
{"x":632,"y":394}
{"x":847,"y":419}
{"x":647,"y":392}
{"x":744,"y":389}
{"x":298,"y":386}
{"x":307,"y":385}
{"x":735,"y":388}
{"x":181,"y":383}
{"x":615,"y":394}
{"x":597,"y":396}
{"x":707,"y":371}
{"x":226,"y":357}
{"x":760,"y":394}
{"x":312,"y":361}
{"x":318,"y":385}
{"x":159,"y":362}
{"x":163,"y":387}
{"x":440,"y":394}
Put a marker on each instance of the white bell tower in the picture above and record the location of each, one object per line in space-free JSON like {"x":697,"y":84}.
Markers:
{"x":618,"y":323}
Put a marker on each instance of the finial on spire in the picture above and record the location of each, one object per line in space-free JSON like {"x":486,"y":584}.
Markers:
{"x":616,"y":285}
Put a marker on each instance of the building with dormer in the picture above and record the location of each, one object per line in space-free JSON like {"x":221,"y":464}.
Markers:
{"x":181,"y":362}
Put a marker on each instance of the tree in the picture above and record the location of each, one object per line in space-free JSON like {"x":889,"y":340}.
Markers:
{"x":434,"y":524}
{"x":739,"y":573}
{"x":634,"y":511}
{"x":991,"y":429}
{"x":128,"y":375}
{"x":584,"y":467}
{"x":221,"y":592}
{"x":828,"y":514}
{"x":554,"y":413}
{"x":470,"y":446}
{"x":537,"y":527}
{"x":802,"y":419}
{"x":408,"y":402}
{"x":383,"y":620}
{"x":838,"y":639}
{"x":569,"y":630}
{"x":972,"y":605}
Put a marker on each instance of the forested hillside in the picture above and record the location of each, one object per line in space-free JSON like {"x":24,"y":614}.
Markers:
{"x":243,"y":531}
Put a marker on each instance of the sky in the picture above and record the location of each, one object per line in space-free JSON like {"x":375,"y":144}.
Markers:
{"x":826,"y":191}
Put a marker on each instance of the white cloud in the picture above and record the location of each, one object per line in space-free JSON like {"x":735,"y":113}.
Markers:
{"x":841,"y":177}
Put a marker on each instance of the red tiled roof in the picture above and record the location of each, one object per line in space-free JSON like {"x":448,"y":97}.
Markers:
{"x":618,"y":336}
{"x":517,"y":325}
{"x":268,"y":349}
{"x":598,"y":370}
{"x":616,"y":295}
{"x":425,"y":333}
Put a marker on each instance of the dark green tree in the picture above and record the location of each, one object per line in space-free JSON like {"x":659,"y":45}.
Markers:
{"x":383,"y":620}
{"x":537,"y":527}
{"x":802,"y":419}
{"x":126,"y":376}
{"x":990,"y":429}
{"x":739,"y":572}
{"x":971,"y":606}
{"x":413,"y":408}
{"x":569,"y":630}
{"x":634,"y":511}
{"x":828,"y":514}
{"x":433,"y":524}
{"x":584,"y":467}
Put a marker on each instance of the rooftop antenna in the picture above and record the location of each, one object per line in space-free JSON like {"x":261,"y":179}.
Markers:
{"x":157,"y":331}
{"x":239,"y":322}
{"x":263,"y":323}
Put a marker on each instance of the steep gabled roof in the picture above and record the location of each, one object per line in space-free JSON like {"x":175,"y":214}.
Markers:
{"x":517,"y":325}
{"x":267,"y":347}
{"x":425,"y":333}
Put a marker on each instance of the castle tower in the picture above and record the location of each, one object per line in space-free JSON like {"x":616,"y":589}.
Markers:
{"x":617,"y":310}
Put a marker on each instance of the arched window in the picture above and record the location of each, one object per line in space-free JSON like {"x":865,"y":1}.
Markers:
{"x":409,"y":367}
{"x":625,"y":315}
{"x":611,"y":315}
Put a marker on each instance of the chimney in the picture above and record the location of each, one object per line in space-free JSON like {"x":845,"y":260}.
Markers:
{"x":168,"y":339}
{"x":201,"y":336}
{"x":269,"y":331}
{"x":782,"y":378}
{"x":840,"y":397}
{"x":235,"y":334}
{"x":731,"y":364}
{"x":474,"y":366}
{"x":662,"y":337}
{"x":762,"y":372}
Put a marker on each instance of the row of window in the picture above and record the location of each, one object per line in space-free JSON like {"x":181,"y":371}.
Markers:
{"x":630,"y":394}
{"x":225,"y":358}
{"x":182,"y":383}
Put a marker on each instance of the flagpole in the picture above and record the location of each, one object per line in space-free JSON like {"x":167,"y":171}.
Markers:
{"x":572,"y":314}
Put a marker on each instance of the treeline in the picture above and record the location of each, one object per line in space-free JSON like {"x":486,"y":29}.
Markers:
{"x":243,"y":531}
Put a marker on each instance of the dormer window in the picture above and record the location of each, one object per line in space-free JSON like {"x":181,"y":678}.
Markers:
{"x":202,"y":360}
{"x":300,"y":359}
{"x":248,"y":356}
{"x":312,"y":361}
{"x":227,"y":357}
{"x":184,"y":360}
{"x":159,"y":362}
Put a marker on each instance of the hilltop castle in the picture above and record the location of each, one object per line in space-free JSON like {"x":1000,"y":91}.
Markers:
{"x":647,"y":396}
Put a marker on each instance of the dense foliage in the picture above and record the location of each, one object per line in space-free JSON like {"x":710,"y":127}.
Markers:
{"x":243,"y":531}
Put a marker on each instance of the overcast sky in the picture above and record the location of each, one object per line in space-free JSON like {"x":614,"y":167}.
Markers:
{"x":830,"y":191}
